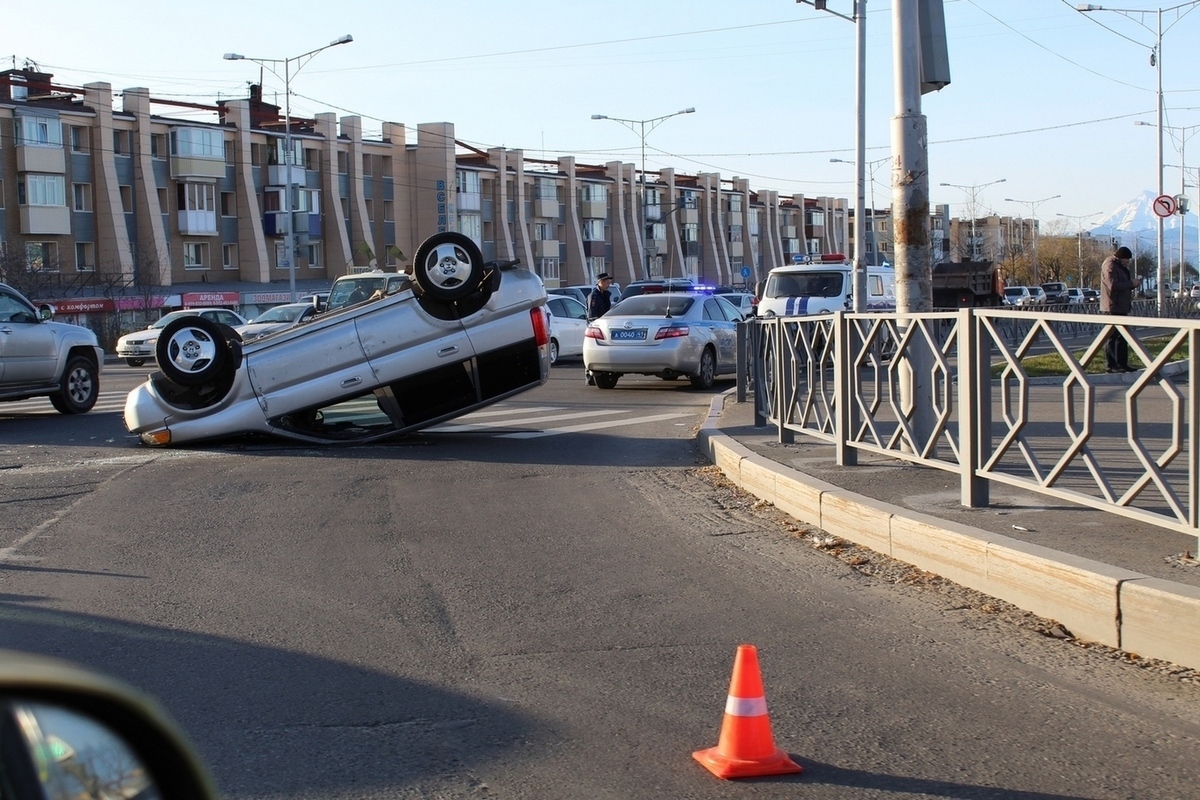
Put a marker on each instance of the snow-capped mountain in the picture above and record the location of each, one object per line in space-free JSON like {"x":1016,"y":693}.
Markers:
{"x":1134,"y":225}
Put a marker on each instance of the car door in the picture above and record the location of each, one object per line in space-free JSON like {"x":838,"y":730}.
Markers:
{"x":720,"y":318}
{"x":569,"y":323}
{"x":27,"y":347}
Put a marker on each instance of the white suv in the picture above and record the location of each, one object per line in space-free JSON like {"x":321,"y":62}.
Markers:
{"x":40,"y":358}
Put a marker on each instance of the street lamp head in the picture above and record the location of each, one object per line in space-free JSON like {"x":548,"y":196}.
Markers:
{"x":233,"y":57}
{"x":347,"y":39}
{"x":599,"y":116}
{"x":688,"y":111}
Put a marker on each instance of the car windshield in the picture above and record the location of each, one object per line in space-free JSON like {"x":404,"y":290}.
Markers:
{"x":805,"y":284}
{"x":652,"y":305}
{"x":169,"y":318}
{"x":279,"y":314}
{"x":1014,"y":291}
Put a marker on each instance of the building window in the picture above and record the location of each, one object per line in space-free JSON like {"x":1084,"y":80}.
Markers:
{"x":543,"y":232}
{"x":593,"y":230}
{"x":370,"y":209}
{"x":162,"y":199}
{"x":198,"y":143}
{"x":85,"y":257}
{"x":387,"y":166}
{"x":228,"y":204}
{"x":595,"y":265}
{"x":389,"y":254}
{"x":548,"y":268}
{"x":687,"y":200}
{"x":546,"y":189}
{"x":196,"y":197}
{"x":35,"y":189}
{"x":229,"y":256}
{"x":83,"y":196}
{"x":467,"y":182}
{"x":278,"y":153}
{"x":41,"y":256}
{"x":195,"y":255}
{"x":366,"y":164}
{"x":121,"y":146}
{"x":43,"y":131}
{"x":316,"y":259}
{"x":230,"y":153}
{"x":343,"y":162}
{"x":80,"y":140}
{"x":158,"y":145}
{"x":593,"y":193}
{"x":308,"y":200}
{"x":389,"y":211}
{"x":471,"y":225}
{"x":312,"y":159}
{"x":735,"y":203}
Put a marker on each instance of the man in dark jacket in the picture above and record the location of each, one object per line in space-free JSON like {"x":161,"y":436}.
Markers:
{"x":599,"y":302}
{"x":1116,"y":297}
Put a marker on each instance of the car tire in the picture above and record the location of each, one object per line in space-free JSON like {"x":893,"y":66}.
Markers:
{"x":553,"y":352}
{"x":135,"y":362}
{"x":78,"y":388}
{"x":707,"y":373}
{"x":192,"y":351}
{"x":606,"y":380}
{"x":448,"y":266}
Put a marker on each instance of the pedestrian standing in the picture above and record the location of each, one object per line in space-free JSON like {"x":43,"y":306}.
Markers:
{"x":1116,"y":297}
{"x":599,"y":302}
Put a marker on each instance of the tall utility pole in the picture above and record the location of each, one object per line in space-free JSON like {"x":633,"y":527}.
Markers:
{"x":859,"y":17}
{"x":972,"y":191}
{"x":1033,"y":207}
{"x":289,"y":236}
{"x":638,"y":126}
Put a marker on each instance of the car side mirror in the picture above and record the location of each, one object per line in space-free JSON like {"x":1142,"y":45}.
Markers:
{"x":61,"y":725}
{"x":45,"y":312}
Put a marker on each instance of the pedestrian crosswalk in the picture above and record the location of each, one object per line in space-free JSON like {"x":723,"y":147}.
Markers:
{"x":504,"y":420}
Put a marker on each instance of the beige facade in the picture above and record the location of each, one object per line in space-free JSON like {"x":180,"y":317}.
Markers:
{"x":140,"y":203}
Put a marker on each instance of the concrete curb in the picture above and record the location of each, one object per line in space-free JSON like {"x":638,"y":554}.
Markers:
{"x":1097,"y":602}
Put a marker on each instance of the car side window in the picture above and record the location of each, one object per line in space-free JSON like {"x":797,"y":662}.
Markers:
{"x":12,"y":310}
{"x":712,"y":310}
{"x":574,"y":309}
{"x":556,"y":307}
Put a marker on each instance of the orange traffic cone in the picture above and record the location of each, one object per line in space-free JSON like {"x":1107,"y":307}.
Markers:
{"x":746,"y":748}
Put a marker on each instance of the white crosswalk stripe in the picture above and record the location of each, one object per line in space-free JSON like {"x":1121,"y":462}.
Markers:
{"x":503,"y":421}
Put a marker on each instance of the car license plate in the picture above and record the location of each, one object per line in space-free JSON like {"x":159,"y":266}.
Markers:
{"x":623,"y":335}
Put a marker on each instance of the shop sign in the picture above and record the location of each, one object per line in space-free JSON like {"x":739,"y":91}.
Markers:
{"x":196,"y":299}
{"x":81,"y":305}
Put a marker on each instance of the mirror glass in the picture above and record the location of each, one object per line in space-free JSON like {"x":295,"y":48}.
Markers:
{"x":52,"y":753}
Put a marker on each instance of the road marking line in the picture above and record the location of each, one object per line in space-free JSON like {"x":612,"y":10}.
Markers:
{"x":524,"y":421}
{"x":595,"y":425}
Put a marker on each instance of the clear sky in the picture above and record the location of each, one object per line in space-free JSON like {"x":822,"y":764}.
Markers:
{"x":1042,"y":96}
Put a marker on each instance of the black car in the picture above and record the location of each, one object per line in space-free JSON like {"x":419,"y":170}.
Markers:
{"x":1056,"y":293}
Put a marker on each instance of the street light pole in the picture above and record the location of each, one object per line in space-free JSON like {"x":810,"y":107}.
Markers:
{"x":871,"y":167}
{"x":1156,"y":62}
{"x":289,"y":225}
{"x":642,"y":132}
{"x":858,"y":16}
{"x":1184,"y":133}
{"x":1033,"y":207}
{"x":973,"y":190}
{"x":1079,"y":218}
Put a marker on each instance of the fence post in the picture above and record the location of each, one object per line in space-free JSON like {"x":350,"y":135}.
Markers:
{"x":974,"y":407}
{"x":785,"y":376}
{"x":843,"y":388}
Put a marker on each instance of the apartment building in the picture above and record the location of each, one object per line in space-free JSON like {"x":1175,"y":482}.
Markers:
{"x":113,"y":212}
{"x":991,"y":238}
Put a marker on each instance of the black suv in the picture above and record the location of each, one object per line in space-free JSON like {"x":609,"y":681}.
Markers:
{"x":1056,"y":293}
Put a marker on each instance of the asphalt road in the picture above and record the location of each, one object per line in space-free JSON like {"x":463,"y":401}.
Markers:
{"x":539,"y":605}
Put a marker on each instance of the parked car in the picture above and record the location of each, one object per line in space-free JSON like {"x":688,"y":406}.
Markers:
{"x":1074,"y":296}
{"x":1056,"y":292}
{"x":1017,"y":296}
{"x":1037,"y":295}
{"x":581,"y":293}
{"x":1091,"y":296}
{"x":456,"y":335}
{"x":278,"y":318}
{"x":568,"y":321}
{"x":359,"y":287}
{"x":1195,"y":292}
{"x":138,"y":347}
{"x":658,"y":287}
{"x":671,"y":335}
{"x":742,"y":301}
{"x":40,"y":358}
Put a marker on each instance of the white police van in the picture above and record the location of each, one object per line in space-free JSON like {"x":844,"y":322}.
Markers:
{"x":822,"y":287}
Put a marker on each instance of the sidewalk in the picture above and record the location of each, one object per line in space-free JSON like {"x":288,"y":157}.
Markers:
{"x":1122,"y":583}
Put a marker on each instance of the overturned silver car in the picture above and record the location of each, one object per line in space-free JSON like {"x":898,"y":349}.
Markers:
{"x":454,"y":336}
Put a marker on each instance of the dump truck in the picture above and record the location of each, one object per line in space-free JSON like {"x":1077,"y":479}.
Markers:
{"x":967,"y":284}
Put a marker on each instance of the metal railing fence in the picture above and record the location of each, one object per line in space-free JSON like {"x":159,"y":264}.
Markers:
{"x":954,"y":391}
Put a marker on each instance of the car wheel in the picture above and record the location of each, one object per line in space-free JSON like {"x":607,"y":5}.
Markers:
{"x":606,"y":380}
{"x":135,"y":362}
{"x":448,"y":266}
{"x":192,"y":351}
{"x":553,"y":352}
{"x":79,"y":387}
{"x":706,"y":375}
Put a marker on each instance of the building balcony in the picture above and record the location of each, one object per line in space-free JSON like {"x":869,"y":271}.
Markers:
{"x":303,"y":222}
{"x":197,"y":223}
{"x":277,"y":174}
{"x":545,"y":248}
{"x":45,"y":220}
{"x":653,"y":212}
{"x":36,"y":158}
{"x":689,"y":216}
{"x":595,"y":247}
{"x":470,"y":201}
{"x":546,"y":207}
{"x":193,"y":167}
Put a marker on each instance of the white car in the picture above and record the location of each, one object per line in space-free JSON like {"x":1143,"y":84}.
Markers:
{"x":457,"y":335}
{"x":138,"y":347}
{"x":277,"y":318}
{"x":1018,"y":296}
{"x":568,"y":321}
